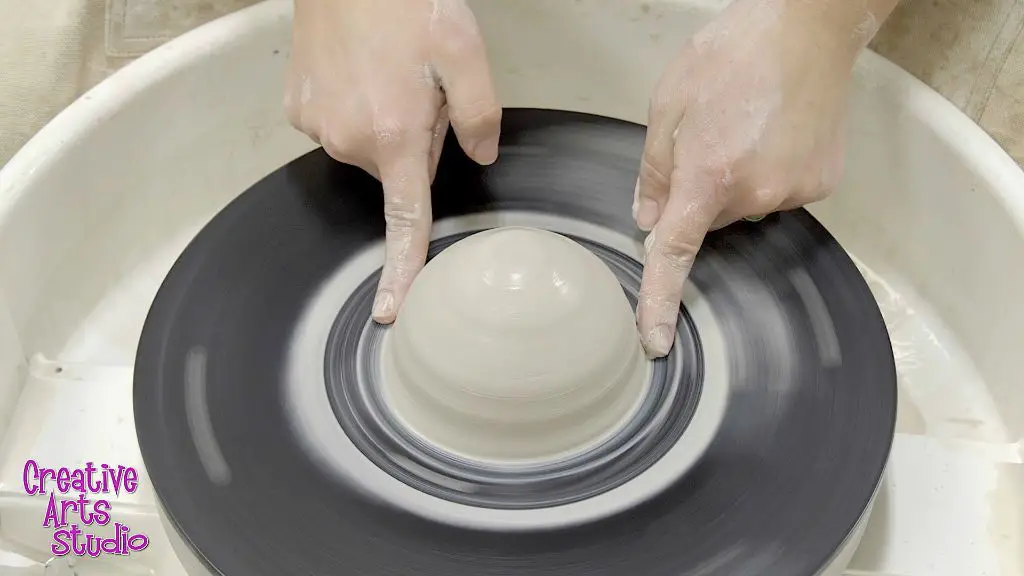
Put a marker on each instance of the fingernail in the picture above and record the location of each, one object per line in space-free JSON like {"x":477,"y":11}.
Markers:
{"x":647,"y":214}
{"x":754,"y":218}
{"x":384,"y":306}
{"x":659,"y":341}
{"x":486,"y":152}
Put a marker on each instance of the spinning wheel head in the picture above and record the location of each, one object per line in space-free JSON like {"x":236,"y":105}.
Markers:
{"x":275,"y":294}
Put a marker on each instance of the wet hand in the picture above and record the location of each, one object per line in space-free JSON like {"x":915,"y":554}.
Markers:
{"x":748,"y":120}
{"x":377,"y":83}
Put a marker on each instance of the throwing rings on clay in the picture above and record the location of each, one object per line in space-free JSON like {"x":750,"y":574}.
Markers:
{"x":755,"y":447}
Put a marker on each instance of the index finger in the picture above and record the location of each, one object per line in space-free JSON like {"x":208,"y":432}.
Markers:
{"x":405,"y":176}
{"x":671,"y":249}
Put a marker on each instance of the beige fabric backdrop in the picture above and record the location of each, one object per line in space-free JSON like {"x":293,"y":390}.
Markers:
{"x":51,"y":51}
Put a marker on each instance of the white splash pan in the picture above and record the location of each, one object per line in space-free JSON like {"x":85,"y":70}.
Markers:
{"x":94,"y":210}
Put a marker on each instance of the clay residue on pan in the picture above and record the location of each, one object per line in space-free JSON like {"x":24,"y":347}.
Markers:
{"x":1006,"y":518}
{"x":941,"y":392}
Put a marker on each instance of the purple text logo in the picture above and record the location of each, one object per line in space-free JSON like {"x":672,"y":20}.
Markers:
{"x":78,"y":501}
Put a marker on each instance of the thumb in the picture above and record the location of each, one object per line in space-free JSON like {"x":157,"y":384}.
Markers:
{"x":671,"y":251}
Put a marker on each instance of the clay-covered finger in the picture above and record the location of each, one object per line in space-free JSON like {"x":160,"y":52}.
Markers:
{"x":671,"y":249}
{"x":407,"y":216}
{"x":461,"y":63}
{"x":652,"y":185}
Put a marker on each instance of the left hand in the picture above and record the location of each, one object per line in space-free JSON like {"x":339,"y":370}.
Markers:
{"x":376,"y":83}
{"x":748,"y":120}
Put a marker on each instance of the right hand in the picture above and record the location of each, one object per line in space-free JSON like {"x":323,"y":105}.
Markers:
{"x":749,"y":119}
{"x":376,"y":83}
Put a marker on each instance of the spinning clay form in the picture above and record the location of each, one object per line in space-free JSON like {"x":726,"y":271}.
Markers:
{"x":515,"y":343}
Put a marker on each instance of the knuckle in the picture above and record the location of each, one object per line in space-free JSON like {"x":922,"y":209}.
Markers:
{"x":767,"y":198}
{"x":812,"y":194}
{"x":821,"y":193}
{"x":390,"y":131}
{"x":336,"y":144}
{"x":661,"y":99}
{"x":677,"y":252}
{"x":831,"y":177}
{"x":679,"y":262}
{"x":808,"y":192}
{"x":460,"y":41}
{"x":293,"y":112}
{"x":315,"y":134}
{"x":649,"y":170}
{"x":401,"y":214}
{"x":716,"y":170}
{"x":483,"y":113}
{"x":812,"y":188}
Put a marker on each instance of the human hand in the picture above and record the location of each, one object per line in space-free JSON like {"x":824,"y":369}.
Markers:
{"x":376,"y":83}
{"x":748,"y":120}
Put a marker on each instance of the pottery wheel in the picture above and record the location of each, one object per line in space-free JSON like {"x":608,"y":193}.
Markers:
{"x":270,"y":451}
